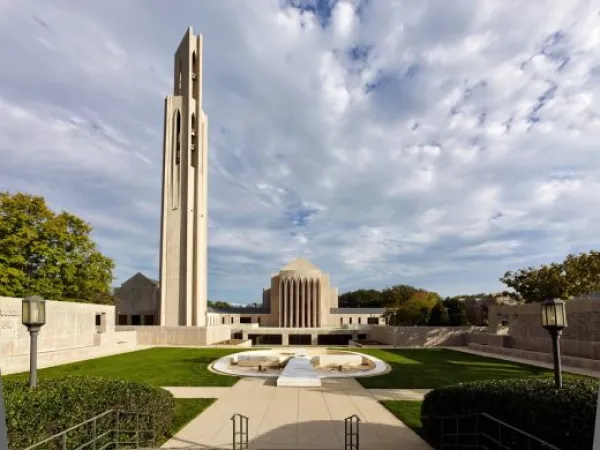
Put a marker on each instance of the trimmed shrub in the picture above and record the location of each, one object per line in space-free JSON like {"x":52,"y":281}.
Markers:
{"x":562,"y":417}
{"x":58,"y":404}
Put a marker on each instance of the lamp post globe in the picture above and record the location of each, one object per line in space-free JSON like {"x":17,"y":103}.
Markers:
{"x":554,"y":319}
{"x":33,"y":317}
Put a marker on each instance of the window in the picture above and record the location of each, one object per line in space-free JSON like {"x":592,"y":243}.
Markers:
{"x":222,"y":320}
{"x":122,"y":319}
{"x":195,"y":81}
{"x":341,"y":321}
{"x":373,"y":320}
{"x":359,"y":320}
{"x":98,"y":320}
{"x":245,"y":319}
{"x":136,"y":319}
{"x":194,"y":146}
{"x":232,"y":320}
{"x":350,"y":320}
{"x":149,"y":319}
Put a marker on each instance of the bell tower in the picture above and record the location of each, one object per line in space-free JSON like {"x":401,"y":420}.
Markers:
{"x":184,"y":226}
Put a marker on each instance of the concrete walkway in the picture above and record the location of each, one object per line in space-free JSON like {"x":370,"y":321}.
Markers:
{"x":295,"y":418}
{"x":218,"y":392}
{"x":197,"y":392}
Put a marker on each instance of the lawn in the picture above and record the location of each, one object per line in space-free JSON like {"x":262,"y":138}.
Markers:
{"x":187,"y":409}
{"x":160,"y":366}
{"x":408,"y":412}
{"x":434,"y":368}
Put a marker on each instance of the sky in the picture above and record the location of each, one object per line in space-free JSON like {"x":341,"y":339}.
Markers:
{"x":436,"y":144}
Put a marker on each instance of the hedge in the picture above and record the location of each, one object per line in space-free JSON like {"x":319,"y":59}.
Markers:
{"x":562,"y":417}
{"x":58,"y":404}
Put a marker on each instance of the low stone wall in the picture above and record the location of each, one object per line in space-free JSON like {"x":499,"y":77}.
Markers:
{"x":420,"y":336}
{"x":70,"y":334}
{"x":571,"y":361}
{"x":175,"y":336}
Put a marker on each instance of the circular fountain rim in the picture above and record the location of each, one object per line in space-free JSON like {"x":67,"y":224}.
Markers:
{"x":382,"y":366}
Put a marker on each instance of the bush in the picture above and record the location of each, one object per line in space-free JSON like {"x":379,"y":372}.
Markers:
{"x":58,"y":404}
{"x":562,"y":417}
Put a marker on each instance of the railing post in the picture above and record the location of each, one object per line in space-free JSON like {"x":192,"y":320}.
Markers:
{"x":457,"y":436}
{"x":351,"y":433}
{"x":94,"y":434}
{"x":234,"y":434}
{"x":477,"y":431}
{"x":137,"y":430}
{"x":118,"y":429}
{"x":500,"y":435}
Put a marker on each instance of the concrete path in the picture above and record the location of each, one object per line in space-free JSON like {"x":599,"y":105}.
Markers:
{"x":398,"y":394}
{"x":297,"y":418}
{"x":197,"y":392}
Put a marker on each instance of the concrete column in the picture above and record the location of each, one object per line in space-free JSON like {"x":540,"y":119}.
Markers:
{"x":313,"y":303}
{"x":318,"y":303}
{"x":286,"y":295}
{"x":285,"y":339}
{"x":308,"y":304}
{"x":280,"y":306}
{"x":302,"y":323}
{"x":297,"y":303}
{"x":314,"y":339}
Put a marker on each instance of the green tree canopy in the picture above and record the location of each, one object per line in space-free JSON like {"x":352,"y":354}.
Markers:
{"x":439,"y":315}
{"x":49,"y":254}
{"x":362,"y":298}
{"x":457,"y":312}
{"x":576,"y":275}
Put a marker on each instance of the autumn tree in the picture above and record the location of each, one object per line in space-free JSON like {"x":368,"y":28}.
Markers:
{"x":49,"y":254}
{"x":576,"y":275}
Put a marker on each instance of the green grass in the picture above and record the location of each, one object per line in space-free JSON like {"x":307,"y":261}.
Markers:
{"x":160,"y":366}
{"x":408,"y":412}
{"x":186,"y":409}
{"x":434,"y":368}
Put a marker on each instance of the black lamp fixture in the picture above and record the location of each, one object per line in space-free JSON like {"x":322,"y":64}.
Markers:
{"x":554,"y":319}
{"x":33,"y":317}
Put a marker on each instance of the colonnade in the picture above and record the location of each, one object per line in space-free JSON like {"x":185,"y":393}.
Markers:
{"x":299,"y":303}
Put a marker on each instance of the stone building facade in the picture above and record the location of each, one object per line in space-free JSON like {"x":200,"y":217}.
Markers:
{"x":137,"y":301}
{"x":300,"y":296}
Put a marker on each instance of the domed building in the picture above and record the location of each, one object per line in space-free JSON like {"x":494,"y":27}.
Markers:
{"x":299,"y":307}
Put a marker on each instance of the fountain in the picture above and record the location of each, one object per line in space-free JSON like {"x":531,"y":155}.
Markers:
{"x":300,"y":367}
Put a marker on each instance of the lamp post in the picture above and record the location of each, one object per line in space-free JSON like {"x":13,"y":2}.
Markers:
{"x":554,"y":319}
{"x":34,"y":317}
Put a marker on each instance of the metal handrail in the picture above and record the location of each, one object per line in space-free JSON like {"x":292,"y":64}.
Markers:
{"x":242,"y":433}
{"x":115,"y":431}
{"x":351,"y":432}
{"x":478,"y":433}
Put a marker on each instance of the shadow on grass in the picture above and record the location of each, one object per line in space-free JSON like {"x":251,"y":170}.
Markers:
{"x":441,"y":367}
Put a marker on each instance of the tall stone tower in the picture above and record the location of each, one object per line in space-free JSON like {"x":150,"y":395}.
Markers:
{"x":184,"y":231}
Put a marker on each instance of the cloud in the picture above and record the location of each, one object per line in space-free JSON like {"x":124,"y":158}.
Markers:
{"x":388,"y":142}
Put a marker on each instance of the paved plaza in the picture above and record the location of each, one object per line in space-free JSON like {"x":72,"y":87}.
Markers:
{"x":295,"y":418}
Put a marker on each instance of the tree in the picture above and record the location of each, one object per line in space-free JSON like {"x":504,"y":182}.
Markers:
{"x":439,"y":315}
{"x":362,"y":298}
{"x":219,"y":304}
{"x":415,"y":311}
{"x":49,"y":254}
{"x":457,"y":311}
{"x":576,"y":275}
